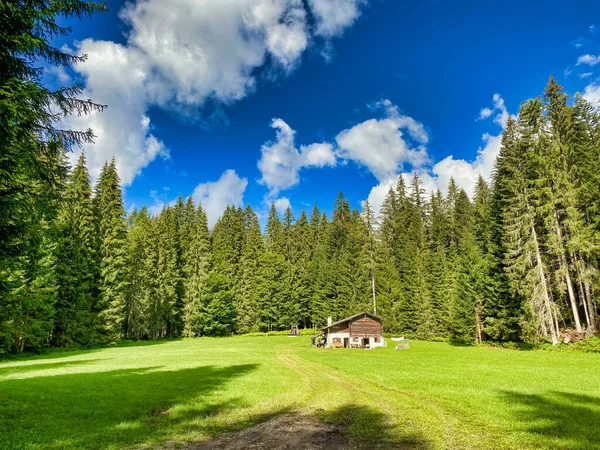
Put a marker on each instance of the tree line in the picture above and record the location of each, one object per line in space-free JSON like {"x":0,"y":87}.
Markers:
{"x":517,"y":259}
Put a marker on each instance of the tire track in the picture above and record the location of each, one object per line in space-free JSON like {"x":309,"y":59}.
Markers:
{"x":379,"y":394}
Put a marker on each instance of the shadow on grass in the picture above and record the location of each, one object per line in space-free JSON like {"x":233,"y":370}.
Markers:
{"x":115,"y":408}
{"x":145,"y":343}
{"x":43,"y":366}
{"x":51,"y":353}
{"x":369,"y":428}
{"x":348,"y":426}
{"x":567,"y":420}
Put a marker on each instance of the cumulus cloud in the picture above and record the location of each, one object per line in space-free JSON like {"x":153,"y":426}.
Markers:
{"x":590,"y":60}
{"x":334,"y":16}
{"x":378,"y":193}
{"x":485,"y":113}
{"x":214,"y":196}
{"x":499,"y":109}
{"x":281,"y":161}
{"x":381,"y":145}
{"x":281,"y":204}
{"x":199,"y":53}
{"x":388,"y":147}
{"x":116,"y":76}
{"x":464,"y":172}
{"x":592,"y":94}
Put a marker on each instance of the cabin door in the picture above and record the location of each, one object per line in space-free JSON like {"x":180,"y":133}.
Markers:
{"x":366,"y":343}
{"x":346,"y":342}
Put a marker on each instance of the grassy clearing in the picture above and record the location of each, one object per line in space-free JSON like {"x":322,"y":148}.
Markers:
{"x":434,"y":395}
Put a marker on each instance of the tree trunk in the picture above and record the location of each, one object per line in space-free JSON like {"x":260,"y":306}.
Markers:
{"x":584,"y":303}
{"x":478,"y":320}
{"x":548,"y":306}
{"x":373,"y":289}
{"x":590,"y":304}
{"x":565,"y":264}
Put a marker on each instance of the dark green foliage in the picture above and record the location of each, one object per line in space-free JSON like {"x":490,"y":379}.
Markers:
{"x":76,"y":268}
{"x":517,"y":260}
{"x":32,"y":171}
{"x":112,"y":230}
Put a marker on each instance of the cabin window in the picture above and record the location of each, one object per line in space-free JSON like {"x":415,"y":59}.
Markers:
{"x":376,"y":339}
{"x":355,"y":339}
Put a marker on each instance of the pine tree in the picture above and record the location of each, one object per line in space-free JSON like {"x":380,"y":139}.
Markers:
{"x":417,"y":313}
{"x":248,"y":318}
{"x":76,"y":262}
{"x":110,"y":216}
{"x":139,"y":290}
{"x":470,"y":283}
{"x":29,"y":138}
{"x":441,"y":276}
{"x":196,"y":270}
{"x":526,"y":270}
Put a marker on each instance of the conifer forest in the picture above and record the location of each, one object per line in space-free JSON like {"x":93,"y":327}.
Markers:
{"x":515,"y":260}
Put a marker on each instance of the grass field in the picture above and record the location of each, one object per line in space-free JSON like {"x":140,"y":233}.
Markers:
{"x":435,"y":395}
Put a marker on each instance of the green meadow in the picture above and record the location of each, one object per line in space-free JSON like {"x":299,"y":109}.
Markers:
{"x":168,"y":394}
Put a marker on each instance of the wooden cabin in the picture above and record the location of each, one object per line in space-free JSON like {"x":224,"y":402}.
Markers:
{"x":364,"y":330}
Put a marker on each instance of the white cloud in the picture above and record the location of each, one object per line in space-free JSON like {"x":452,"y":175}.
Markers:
{"x":579,"y":42}
{"x":180,"y":59}
{"x":380,"y":191}
{"x":59,"y":73}
{"x":116,"y":75}
{"x":214,"y":196}
{"x":281,"y":204}
{"x":158,"y":203}
{"x":592,"y":29}
{"x":334,"y":16}
{"x":499,"y":109}
{"x":281,"y":161}
{"x":386,"y":147}
{"x":381,"y":146}
{"x":592,"y":94}
{"x":465,"y":173}
{"x":485,"y":113}
{"x":590,"y":60}
{"x":585,"y":75}
{"x":318,"y":155}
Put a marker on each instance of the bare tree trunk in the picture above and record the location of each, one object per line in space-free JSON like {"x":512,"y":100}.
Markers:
{"x":478,"y":320}
{"x":547,"y":303}
{"x":590,"y":304}
{"x":373,"y":289}
{"x":565,"y":264}
{"x":584,"y":303}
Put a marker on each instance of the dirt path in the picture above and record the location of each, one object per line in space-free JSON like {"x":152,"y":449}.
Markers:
{"x":336,"y":403}
{"x":291,"y":431}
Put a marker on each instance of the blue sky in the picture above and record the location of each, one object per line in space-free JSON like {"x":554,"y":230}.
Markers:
{"x":292,"y":101}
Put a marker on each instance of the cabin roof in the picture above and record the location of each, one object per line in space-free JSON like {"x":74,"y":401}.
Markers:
{"x":354,"y":317}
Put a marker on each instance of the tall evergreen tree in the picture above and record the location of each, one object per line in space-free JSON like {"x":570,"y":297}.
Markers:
{"x":196,"y":270}
{"x":76,"y":262}
{"x":110,"y":216}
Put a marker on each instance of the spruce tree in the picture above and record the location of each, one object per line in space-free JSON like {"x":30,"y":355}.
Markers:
{"x":76,"y":262}
{"x":110,"y":217}
{"x":248,"y":317}
{"x":196,"y":270}
{"x":137,"y":318}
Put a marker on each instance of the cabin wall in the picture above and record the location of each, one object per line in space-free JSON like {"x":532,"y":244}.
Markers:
{"x":353,"y":334}
{"x":365,"y":327}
